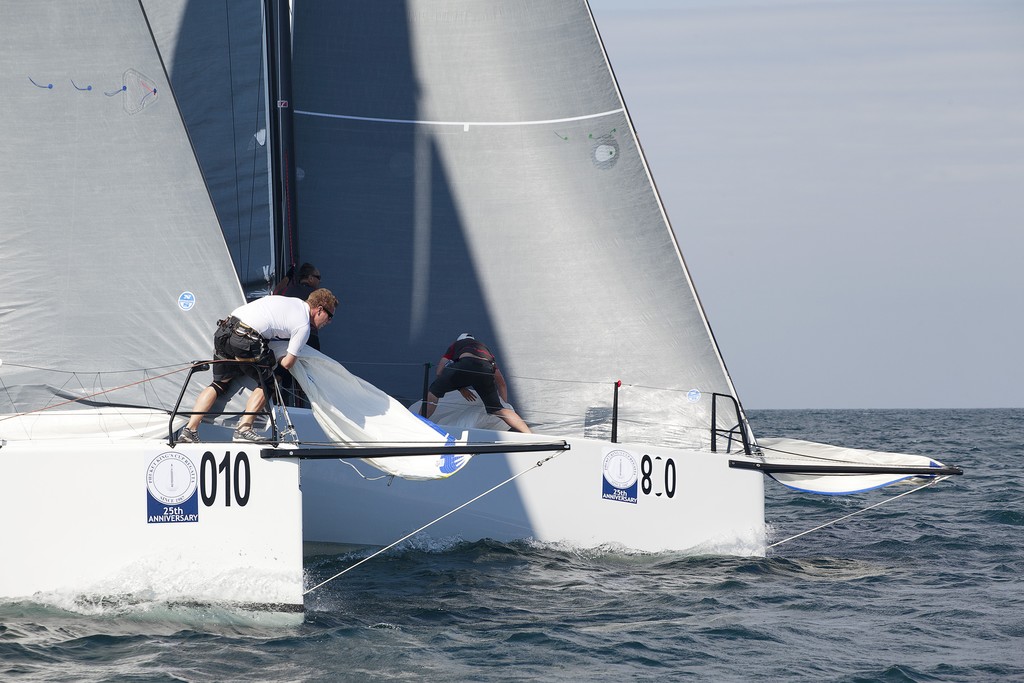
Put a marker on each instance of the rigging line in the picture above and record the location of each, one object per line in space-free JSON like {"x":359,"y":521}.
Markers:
{"x":645,"y":386}
{"x":97,"y":393}
{"x":822,"y":458}
{"x":7,"y":391}
{"x":353,"y":466}
{"x":346,"y":363}
{"x":255,"y":168}
{"x":234,"y":138}
{"x":563,"y":381}
{"x":84,"y":372}
{"x":857,"y":512}
{"x":602,"y":382}
{"x":428,"y":524}
{"x":464,"y":124}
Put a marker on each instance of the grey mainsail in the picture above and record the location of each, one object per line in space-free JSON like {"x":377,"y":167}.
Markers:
{"x":470,"y":166}
{"x":215,"y":59}
{"x":115,"y":268}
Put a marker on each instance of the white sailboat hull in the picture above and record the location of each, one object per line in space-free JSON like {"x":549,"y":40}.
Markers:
{"x":137,"y":521}
{"x":678,"y":501}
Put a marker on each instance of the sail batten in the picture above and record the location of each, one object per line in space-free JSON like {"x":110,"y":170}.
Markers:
{"x":375,"y":119}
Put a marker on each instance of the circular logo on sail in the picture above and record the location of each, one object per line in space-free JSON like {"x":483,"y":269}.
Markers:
{"x":693,"y":395}
{"x":606,"y":152}
{"x":171,"y":478}
{"x":186,"y":300}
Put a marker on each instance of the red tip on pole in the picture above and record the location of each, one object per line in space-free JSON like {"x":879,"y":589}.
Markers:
{"x":618,"y":383}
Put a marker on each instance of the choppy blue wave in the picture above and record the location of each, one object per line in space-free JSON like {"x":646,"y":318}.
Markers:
{"x":925,"y":588}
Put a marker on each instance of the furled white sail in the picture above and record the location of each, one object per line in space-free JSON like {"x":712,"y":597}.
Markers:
{"x":798,"y":453}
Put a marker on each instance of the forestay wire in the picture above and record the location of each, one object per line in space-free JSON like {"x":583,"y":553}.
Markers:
{"x":870,"y":507}
{"x":431,"y":523}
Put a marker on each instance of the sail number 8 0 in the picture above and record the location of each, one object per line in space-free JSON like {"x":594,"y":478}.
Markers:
{"x":649,"y":478}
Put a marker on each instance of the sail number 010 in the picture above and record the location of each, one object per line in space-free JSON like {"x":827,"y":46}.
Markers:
{"x":236,"y":479}
{"x":648,"y":476}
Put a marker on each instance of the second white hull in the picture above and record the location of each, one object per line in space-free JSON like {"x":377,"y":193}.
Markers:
{"x":680,"y":500}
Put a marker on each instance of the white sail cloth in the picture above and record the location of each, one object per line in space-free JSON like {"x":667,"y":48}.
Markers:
{"x":351,"y":410}
{"x":455,"y":411}
{"x":798,"y":452}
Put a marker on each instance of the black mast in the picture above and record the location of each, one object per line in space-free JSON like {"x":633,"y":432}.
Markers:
{"x":279,"y":59}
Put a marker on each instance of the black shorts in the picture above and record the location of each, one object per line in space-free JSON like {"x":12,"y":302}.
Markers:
{"x":470,"y":372}
{"x":230,"y":343}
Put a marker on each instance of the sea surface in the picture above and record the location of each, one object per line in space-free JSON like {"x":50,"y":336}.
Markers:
{"x":925,"y":587}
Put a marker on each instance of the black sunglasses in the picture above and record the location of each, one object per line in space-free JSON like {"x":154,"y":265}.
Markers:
{"x":330,"y":316}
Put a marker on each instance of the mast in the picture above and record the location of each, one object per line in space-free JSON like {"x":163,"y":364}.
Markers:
{"x":282,"y":164}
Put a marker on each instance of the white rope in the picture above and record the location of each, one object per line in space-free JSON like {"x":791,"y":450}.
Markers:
{"x":428,"y":524}
{"x":870,"y":507}
{"x":356,"y":470}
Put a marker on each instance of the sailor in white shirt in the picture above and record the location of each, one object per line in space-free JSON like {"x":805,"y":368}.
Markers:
{"x":246,"y":335}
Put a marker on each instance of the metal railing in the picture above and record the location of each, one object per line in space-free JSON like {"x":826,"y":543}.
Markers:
{"x":203,"y":366}
{"x":731,"y":433}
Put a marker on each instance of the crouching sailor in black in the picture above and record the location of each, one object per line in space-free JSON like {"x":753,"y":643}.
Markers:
{"x":468,"y":363}
{"x":245,"y":335}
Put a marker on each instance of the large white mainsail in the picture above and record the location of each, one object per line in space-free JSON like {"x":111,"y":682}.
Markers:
{"x":469,"y":166}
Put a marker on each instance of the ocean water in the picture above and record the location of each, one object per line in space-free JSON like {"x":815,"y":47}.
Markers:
{"x":926,"y":587}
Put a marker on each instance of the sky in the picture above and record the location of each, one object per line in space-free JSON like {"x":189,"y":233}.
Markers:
{"x":846,"y":181}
